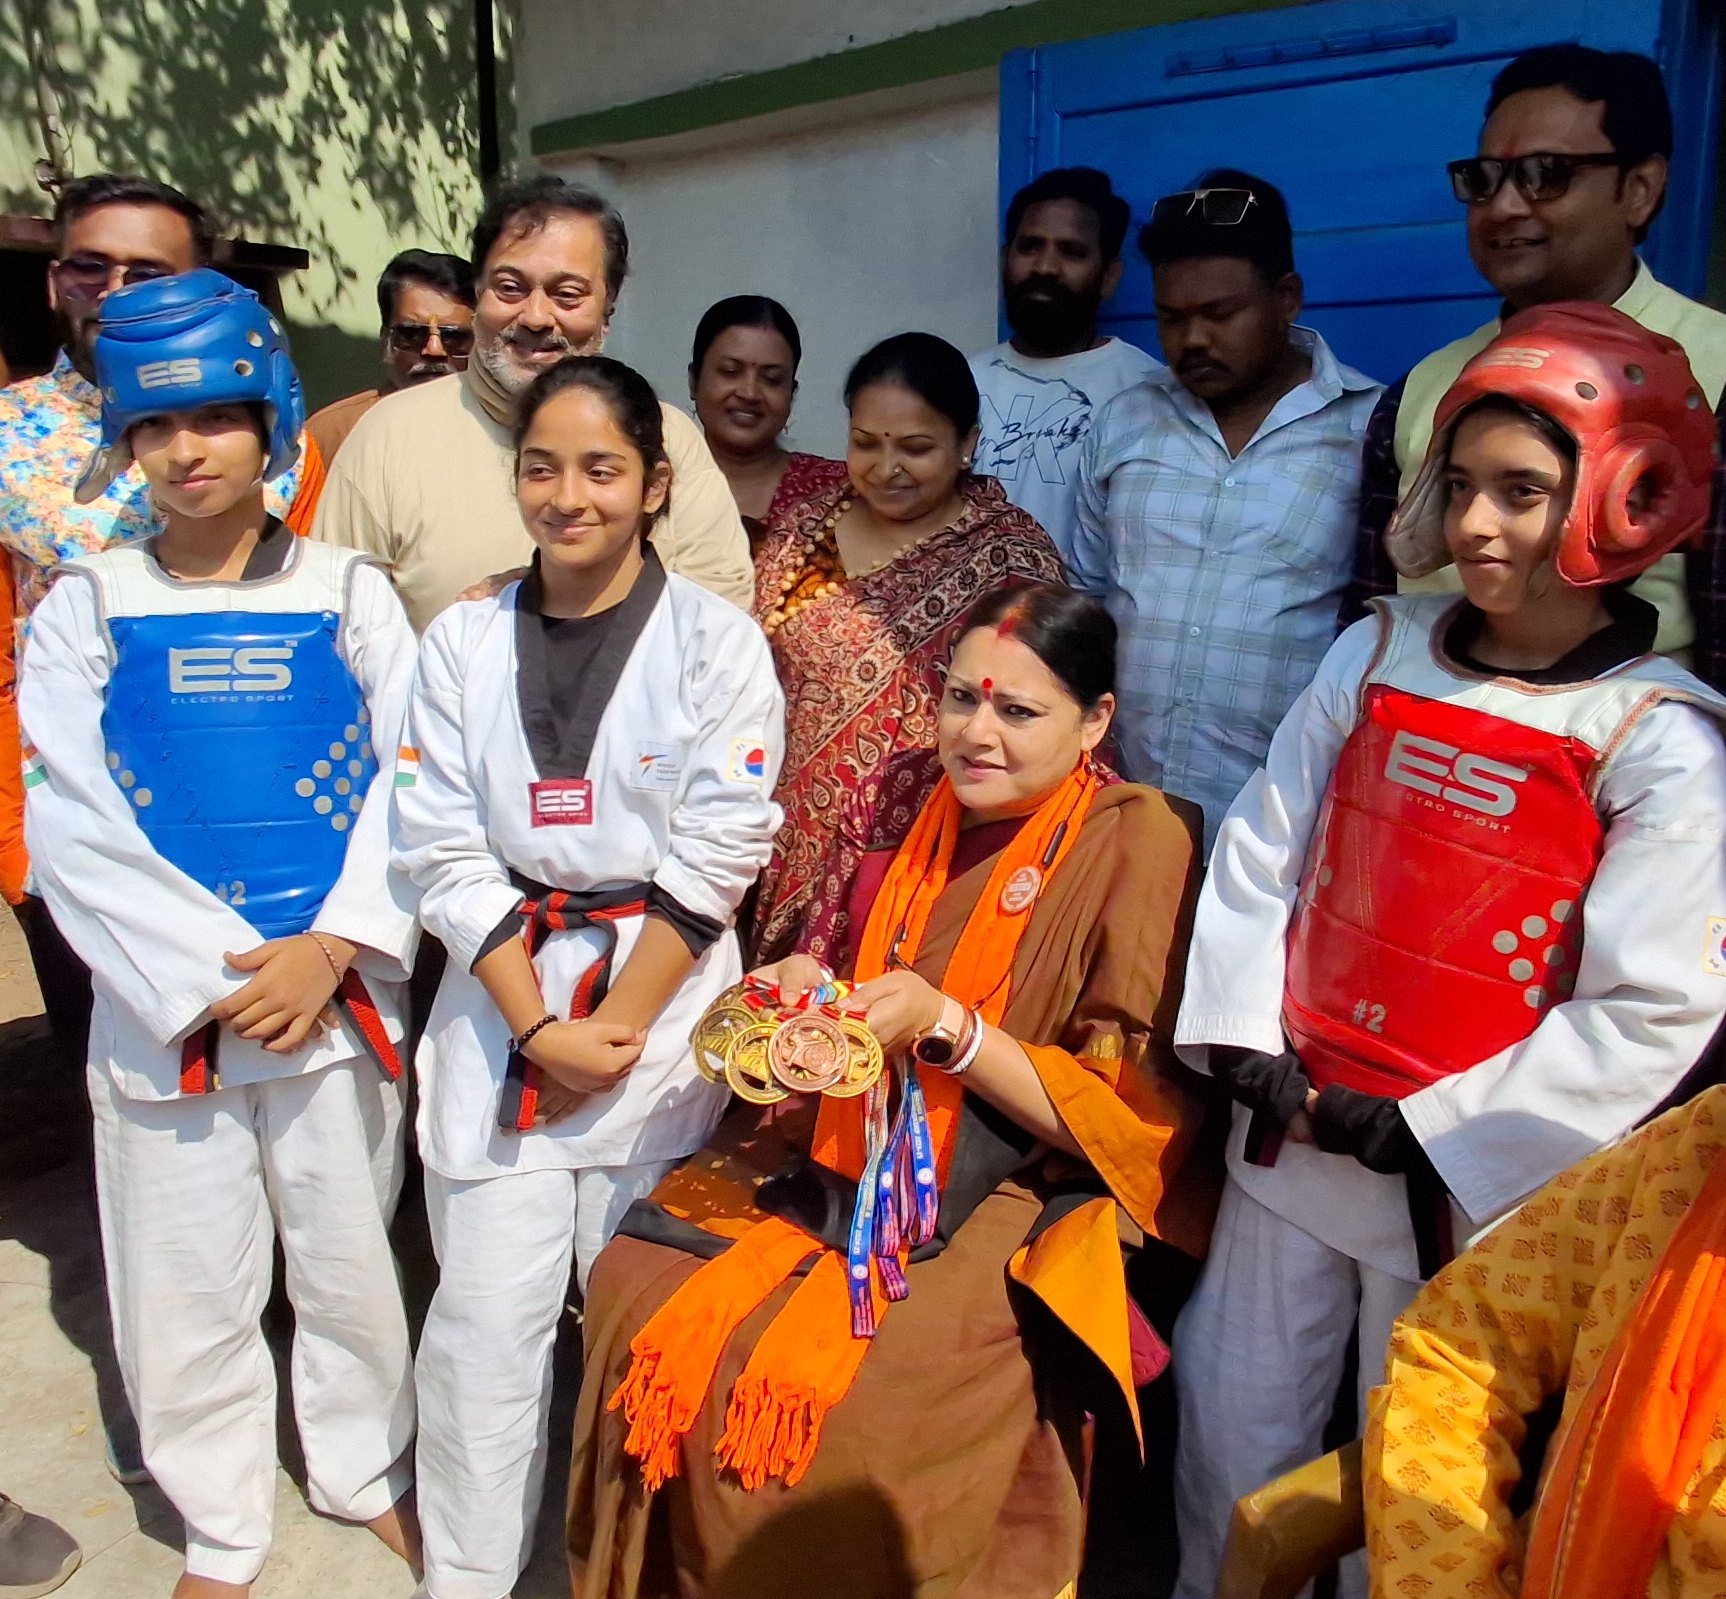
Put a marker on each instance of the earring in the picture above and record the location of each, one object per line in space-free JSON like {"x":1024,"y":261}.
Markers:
{"x":966,"y":463}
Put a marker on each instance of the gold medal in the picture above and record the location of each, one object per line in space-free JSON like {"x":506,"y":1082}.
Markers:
{"x":714,"y":1035}
{"x":865,"y":1061}
{"x":746,"y":1067}
{"x":809,"y":1052}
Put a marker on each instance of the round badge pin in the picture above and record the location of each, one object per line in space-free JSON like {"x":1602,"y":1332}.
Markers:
{"x":1020,"y":891}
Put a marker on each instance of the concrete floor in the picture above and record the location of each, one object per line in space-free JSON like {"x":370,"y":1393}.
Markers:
{"x":57,"y":1372}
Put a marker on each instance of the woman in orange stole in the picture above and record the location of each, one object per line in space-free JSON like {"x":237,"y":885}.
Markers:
{"x":774,"y":1406}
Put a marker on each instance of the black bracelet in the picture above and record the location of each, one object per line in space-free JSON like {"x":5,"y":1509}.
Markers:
{"x":517,"y":1045}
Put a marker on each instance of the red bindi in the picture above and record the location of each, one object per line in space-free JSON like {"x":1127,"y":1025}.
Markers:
{"x":988,"y":685}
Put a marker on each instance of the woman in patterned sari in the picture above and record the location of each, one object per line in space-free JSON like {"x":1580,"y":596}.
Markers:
{"x":860,"y":589}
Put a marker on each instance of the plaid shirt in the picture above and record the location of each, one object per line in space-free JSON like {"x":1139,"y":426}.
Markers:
{"x":1704,"y":568}
{"x":48,"y":427}
{"x":1223,"y":574}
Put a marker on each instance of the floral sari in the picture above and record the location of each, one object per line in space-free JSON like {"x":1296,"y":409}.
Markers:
{"x":859,"y":670}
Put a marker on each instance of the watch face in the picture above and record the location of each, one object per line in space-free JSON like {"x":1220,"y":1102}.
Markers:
{"x":933,"y":1049}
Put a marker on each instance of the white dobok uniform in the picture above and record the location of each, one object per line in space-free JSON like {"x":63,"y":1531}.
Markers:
{"x":1316,"y":1245}
{"x":672,"y":789}
{"x":192,"y":1184}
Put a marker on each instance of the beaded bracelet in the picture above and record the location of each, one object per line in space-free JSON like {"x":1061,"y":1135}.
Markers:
{"x":521,"y":1041}
{"x":335,"y":965}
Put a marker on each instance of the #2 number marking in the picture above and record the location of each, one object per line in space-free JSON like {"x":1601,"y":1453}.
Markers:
{"x":1369,"y":1016}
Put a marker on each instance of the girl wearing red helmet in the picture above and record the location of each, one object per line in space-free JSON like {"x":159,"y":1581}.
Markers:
{"x":1466,"y":926}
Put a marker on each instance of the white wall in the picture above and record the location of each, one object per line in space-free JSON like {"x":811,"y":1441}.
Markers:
{"x":862,"y":229}
{"x":585,"y":55}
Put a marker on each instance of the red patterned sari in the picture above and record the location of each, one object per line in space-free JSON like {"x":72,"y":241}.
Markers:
{"x":859,"y":670}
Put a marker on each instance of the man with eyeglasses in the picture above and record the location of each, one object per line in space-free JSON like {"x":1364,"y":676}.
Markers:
{"x":425,"y":301}
{"x":1216,"y":502}
{"x":425,"y":481}
{"x":1571,"y":171}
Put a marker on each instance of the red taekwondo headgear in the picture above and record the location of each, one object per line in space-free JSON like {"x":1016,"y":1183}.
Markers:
{"x":1627,"y":397}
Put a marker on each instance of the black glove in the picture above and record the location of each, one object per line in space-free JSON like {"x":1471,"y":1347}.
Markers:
{"x":1371,"y":1128}
{"x":1269,"y":1085}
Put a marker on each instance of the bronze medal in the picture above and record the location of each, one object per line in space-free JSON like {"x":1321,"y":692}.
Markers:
{"x":747,"y":1070}
{"x":865,"y":1061}
{"x":809,"y":1053}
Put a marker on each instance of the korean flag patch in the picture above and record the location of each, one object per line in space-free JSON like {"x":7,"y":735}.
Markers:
{"x":748,"y":761}
{"x":1714,"y":947}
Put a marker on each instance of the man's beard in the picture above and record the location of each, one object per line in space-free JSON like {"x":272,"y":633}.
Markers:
{"x":493,"y":356}
{"x":1057,"y":320}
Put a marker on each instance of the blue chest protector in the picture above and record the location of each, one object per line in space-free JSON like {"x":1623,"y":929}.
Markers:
{"x":243,"y":743}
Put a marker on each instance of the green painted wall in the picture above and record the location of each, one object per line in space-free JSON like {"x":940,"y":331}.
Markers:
{"x":346,"y":127}
{"x":939,"y":52}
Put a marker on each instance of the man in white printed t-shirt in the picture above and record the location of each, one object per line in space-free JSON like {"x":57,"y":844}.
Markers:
{"x":1042,"y":388}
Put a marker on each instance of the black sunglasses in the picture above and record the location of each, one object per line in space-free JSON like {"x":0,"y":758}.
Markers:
{"x":1216,"y":208}
{"x":417,"y":335}
{"x":84,"y":277}
{"x":1540,"y":175}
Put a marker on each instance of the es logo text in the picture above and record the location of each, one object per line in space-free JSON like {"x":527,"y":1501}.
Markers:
{"x":1448,"y":773}
{"x":250,"y":669}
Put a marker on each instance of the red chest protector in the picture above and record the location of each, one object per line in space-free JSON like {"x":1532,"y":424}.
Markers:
{"x":1440,"y":914}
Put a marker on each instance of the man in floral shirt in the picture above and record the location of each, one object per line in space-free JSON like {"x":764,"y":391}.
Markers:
{"x":109,"y":230}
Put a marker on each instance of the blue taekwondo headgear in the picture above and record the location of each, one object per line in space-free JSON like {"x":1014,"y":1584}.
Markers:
{"x":177,"y":343}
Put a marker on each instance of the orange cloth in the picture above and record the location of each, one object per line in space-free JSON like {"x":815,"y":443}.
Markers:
{"x":807,"y":1359}
{"x":1538,"y":1307}
{"x":1630,"y":1450}
{"x":314,"y":473}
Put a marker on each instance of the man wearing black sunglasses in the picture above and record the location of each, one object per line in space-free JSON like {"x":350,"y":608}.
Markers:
{"x":1571,"y":171}
{"x":425,"y":305}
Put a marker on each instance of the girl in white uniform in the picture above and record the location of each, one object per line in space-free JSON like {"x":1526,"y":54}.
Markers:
{"x":208,"y":823}
{"x":586,"y":797}
{"x":1466,"y":926}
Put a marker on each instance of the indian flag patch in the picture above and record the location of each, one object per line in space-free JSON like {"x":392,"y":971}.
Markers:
{"x":407,"y":766}
{"x":34,"y":771}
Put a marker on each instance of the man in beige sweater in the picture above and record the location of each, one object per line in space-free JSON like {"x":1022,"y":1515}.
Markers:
{"x":425,"y":480}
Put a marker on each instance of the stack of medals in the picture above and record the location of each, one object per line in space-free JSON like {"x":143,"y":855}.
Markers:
{"x":766,"y":1050}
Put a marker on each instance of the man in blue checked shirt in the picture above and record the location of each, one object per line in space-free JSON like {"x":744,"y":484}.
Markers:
{"x":1217,"y":499}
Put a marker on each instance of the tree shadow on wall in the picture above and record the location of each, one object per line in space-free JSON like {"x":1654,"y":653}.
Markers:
{"x":250,"y":105}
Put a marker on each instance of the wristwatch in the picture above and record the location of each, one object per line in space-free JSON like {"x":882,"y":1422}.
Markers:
{"x":940,"y":1044}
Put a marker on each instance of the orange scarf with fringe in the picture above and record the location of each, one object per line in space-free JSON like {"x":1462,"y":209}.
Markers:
{"x":1635,"y":1443}
{"x":807,"y":1359}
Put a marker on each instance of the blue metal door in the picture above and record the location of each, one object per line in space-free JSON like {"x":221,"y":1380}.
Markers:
{"x":1352,"y":108}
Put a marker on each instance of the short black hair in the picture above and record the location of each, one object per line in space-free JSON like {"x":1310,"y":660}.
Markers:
{"x":448,"y":274}
{"x":1636,"y":115}
{"x":1263,"y":236}
{"x":929,"y":367}
{"x":536,"y":199}
{"x":744,"y":311}
{"x":628,"y":396}
{"x":1070,"y":633}
{"x":1084,"y":186}
{"x":84,"y":195}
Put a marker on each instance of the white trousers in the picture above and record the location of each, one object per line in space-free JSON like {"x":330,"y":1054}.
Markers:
{"x":191,"y":1192}
{"x":504,"y":1247}
{"x":1258,"y":1357}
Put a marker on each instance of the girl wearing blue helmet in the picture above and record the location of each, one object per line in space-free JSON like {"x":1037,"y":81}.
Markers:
{"x":210,"y":719}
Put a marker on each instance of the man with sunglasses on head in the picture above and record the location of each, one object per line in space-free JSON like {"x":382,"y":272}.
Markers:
{"x":425,"y":301}
{"x":1216,"y":501}
{"x":1571,"y":171}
